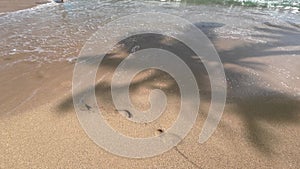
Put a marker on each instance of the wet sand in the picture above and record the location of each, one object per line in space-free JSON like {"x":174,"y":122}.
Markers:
{"x":255,"y":131}
{"x":14,"y":5}
{"x":259,"y":128}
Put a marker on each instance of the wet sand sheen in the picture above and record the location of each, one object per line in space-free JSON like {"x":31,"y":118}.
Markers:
{"x":254,"y":131}
{"x":259,"y":129}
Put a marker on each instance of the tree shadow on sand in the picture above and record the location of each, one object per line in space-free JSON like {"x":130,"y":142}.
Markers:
{"x":255,"y":103}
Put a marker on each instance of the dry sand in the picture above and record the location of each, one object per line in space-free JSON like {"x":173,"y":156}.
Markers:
{"x":39,"y":127}
{"x":14,"y":5}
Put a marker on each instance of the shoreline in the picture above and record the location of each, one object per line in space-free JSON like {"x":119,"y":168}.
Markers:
{"x":40,"y":128}
{"x":15,"y":5}
{"x":42,"y":119}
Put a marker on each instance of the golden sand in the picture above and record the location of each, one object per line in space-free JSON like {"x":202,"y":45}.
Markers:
{"x":14,"y":5}
{"x":39,"y":127}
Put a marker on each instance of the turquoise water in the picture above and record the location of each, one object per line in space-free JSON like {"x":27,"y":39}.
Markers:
{"x":287,"y":4}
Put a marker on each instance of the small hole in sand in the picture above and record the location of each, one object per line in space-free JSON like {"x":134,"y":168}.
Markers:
{"x":160,"y":130}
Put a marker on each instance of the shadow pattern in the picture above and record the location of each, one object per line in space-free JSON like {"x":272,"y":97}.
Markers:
{"x":266,"y":105}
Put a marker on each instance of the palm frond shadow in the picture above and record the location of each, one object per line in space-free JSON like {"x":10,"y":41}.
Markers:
{"x":266,"y":105}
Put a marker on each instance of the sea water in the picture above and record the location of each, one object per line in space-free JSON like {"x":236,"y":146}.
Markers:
{"x":56,"y":32}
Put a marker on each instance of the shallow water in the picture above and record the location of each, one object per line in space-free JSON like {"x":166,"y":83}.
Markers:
{"x":259,"y":49}
{"x":56,"y":32}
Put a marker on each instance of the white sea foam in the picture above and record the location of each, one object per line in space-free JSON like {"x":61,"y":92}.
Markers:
{"x":54,"y":32}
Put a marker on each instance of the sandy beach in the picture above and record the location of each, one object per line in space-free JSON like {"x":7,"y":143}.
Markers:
{"x":14,"y":5}
{"x":259,"y":129}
